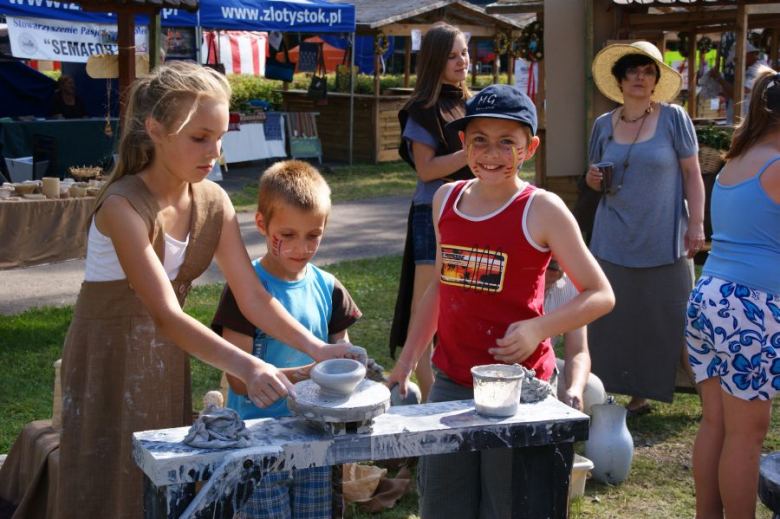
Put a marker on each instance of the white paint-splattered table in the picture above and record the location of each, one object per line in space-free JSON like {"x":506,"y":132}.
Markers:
{"x":540,"y":438}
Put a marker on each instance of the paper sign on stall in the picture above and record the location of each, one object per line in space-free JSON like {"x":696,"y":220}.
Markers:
{"x":74,"y":42}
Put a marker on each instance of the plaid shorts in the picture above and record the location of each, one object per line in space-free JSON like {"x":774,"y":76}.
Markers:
{"x":733,"y":333}
{"x":301,"y":494}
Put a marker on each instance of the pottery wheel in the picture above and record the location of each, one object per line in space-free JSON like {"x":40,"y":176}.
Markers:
{"x":369,"y":400}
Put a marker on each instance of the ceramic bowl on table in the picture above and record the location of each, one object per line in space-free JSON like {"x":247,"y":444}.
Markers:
{"x":338,"y":376}
{"x":5,"y":192}
{"x":26,"y":188}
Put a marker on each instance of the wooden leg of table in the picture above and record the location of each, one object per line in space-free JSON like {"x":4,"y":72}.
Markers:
{"x":168,"y":502}
{"x":542,"y":476}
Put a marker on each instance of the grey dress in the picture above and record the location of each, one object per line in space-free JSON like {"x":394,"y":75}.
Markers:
{"x":638,"y":239}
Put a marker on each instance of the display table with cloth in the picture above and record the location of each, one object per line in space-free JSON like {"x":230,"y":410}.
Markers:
{"x":255,"y":141}
{"x":80,"y":142}
{"x":35,"y":232}
{"x":539,"y":438}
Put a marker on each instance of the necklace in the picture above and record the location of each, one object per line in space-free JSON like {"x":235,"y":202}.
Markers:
{"x":644,"y":114}
{"x":631,"y":147}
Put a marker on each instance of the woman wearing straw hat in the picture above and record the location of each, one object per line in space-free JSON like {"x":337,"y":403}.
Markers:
{"x":643,"y":230}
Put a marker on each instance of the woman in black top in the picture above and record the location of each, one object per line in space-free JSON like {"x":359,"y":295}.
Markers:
{"x":66,"y":104}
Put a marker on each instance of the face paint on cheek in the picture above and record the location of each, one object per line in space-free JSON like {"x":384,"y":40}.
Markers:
{"x":276,"y":245}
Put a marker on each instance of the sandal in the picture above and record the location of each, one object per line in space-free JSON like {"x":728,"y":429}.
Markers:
{"x":642,"y":410}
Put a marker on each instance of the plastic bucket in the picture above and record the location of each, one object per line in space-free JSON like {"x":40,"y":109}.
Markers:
{"x":497,"y":389}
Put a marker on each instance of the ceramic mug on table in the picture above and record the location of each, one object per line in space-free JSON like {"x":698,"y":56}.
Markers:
{"x":50,"y":187}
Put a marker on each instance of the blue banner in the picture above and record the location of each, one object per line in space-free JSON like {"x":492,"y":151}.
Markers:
{"x":315,"y":16}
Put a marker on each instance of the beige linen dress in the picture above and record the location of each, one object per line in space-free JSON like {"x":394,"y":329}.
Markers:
{"x":120,"y":374}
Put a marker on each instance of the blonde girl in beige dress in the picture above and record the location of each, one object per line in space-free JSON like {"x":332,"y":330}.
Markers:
{"x":157,"y":226}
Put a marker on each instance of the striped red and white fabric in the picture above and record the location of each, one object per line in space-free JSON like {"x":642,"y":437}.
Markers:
{"x":242,"y":52}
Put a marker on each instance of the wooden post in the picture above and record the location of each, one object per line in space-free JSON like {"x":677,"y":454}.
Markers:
{"x":126,"y":58}
{"x":692,"y":52}
{"x":496,"y":65}
{"x":739,"y":62}
{"x":155,"y":32}
{"x":377,"y":62}
{"x":285,"y":84}
{"x":510,"y":73}
{"x":473,"y":44}
{"x":407,"y":61}
{"x":773,"y":47}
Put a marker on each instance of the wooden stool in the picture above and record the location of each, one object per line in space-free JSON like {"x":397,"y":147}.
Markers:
{"x":769,"y":483}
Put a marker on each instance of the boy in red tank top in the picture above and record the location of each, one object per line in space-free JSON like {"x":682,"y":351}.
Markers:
{"x":495,"y":235}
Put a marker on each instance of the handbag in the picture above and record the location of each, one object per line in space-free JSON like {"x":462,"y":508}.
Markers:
{"x":308,"y":52}
{"x":318,"y":88}
{"x":343,"y":70}
{"x":212,"y":60}
{"x":280,"y":70}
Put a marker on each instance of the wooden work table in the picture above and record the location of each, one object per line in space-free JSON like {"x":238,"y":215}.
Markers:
{"x":541,"y":437}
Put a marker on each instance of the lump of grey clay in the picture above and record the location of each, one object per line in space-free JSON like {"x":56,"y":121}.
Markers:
{"x":413,"y":395}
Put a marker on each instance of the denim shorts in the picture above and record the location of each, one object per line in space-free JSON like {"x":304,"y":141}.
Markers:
{"x":423,"y":235}
{"x":733,"y":333}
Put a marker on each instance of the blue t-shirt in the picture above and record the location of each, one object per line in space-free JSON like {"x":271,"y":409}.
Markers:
{"x":644,"y":224}
{"x":317,"y":301}
{"x":413,"y":132}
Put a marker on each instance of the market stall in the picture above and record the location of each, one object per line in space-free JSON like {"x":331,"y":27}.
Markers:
{"x":376,"y":134}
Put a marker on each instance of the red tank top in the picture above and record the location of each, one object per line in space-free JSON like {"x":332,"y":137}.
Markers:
{"x":491,"y":276}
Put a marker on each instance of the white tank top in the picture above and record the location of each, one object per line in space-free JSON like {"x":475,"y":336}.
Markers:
{"x":103,"y":263}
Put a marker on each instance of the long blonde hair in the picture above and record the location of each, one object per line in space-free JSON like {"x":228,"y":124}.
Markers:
{"x":170,"y":95}
{"x":434,"y":52}
{"x":763,"y":115}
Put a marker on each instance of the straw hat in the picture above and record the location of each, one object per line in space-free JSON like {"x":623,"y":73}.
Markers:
{"x":668,"y":85}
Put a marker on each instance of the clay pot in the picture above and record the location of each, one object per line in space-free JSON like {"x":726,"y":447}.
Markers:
{"x":338,"y":376}
{"x":497,"y":389}
{"x":610,"y":446}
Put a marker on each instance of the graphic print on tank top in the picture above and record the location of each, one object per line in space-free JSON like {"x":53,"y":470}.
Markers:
{"x":475,"y":268}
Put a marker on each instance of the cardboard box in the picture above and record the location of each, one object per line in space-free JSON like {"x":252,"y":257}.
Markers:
{"x":21,"y":169}
{"x":579,"y":473}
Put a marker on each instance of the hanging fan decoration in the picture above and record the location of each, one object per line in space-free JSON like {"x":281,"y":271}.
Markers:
{"x":704,"y":45}
{"x":530,"y":44}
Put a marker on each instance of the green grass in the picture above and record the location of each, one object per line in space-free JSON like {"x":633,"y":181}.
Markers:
{"x":660,"y":485}
{"x":361,"y":181}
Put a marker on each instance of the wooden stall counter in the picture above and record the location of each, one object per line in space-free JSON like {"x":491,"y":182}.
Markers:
{"x":376,"y":133}
{"x":539,"y":438}
{"x":36,"y":232}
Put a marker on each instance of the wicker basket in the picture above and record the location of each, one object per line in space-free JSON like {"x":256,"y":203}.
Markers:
{"x":710,"y":160}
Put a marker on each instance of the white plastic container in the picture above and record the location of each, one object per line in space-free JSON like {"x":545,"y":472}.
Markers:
{"x":21,"y":169}
{"x":580,"y":471}
{"x":497,"y":389}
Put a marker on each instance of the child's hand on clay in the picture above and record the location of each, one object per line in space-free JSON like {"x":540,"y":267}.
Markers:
{"x":267,"y":385}
{"x":400,"y":377}
{"x":330,"y":351}
{"x":519,"y":342}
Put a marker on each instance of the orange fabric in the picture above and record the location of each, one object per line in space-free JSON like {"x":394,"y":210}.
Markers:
{"x":333,"y":55}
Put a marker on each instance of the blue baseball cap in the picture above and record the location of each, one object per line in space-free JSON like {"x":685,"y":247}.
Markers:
{"x":498,"y":102}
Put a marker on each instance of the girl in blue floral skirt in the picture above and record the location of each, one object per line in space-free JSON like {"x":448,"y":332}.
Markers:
{"x":733,"y":319}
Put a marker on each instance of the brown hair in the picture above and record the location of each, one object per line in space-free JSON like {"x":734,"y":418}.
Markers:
{"x":434,"y":52}
{"x":170,"y":95}
{"x":295,"y":183}
{"x":763,"y":115}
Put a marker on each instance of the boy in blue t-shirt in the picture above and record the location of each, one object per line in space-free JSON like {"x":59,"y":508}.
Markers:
{"x":293,"y":209}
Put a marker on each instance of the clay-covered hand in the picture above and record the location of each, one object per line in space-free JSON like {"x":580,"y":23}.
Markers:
{"x":573,"y":398}
{"x":593,"y":178}
{"x":400,"y":377}
{"x":267,"y":385}
{"x":331,"y":351}
{"x":694,"y":238}
{"x":519,"y":342}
